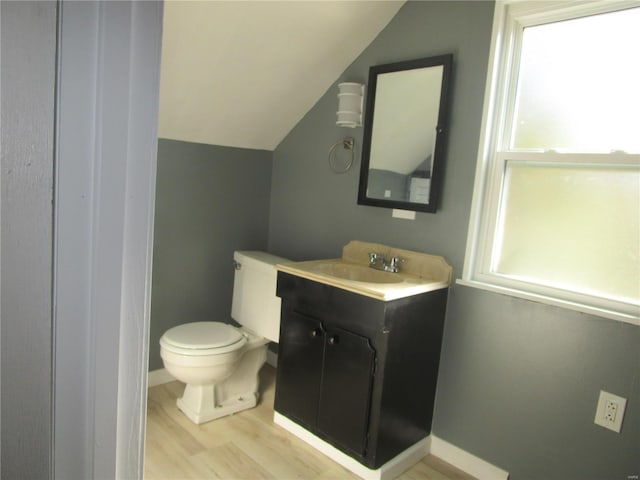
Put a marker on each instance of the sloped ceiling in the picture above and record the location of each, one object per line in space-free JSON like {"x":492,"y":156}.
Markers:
{"x":243,"y":73}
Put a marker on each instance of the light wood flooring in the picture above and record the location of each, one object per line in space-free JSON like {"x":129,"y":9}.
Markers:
{"x":247,"y":445}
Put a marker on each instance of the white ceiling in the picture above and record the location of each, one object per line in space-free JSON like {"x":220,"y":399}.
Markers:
{"x":243,"y":73}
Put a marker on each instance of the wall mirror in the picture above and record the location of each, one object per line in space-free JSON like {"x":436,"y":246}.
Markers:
{"x":404,"y":134}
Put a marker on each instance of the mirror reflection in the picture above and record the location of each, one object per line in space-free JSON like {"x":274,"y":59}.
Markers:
{"x":403,"y":144}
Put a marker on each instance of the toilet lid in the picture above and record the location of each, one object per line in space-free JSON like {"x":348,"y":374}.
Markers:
{"x":203,"y":335}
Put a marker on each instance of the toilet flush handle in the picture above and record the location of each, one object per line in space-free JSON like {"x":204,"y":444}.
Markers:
{"x":237,"y":265}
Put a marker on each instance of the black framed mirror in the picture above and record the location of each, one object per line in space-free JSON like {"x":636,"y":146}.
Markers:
{"x":405,"y":130}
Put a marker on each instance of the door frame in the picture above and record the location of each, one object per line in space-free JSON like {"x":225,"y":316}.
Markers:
{"x":108,"y":71}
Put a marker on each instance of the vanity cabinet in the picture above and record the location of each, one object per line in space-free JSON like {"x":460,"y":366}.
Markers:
{"x":319,"y":364}
{"x":358,"y":372}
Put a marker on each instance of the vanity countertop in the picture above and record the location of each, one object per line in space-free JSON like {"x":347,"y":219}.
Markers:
{"x":418,"y":273}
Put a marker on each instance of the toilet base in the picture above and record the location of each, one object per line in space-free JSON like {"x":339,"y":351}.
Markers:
{"x":203,"y":403}
{"x":202,"y":398}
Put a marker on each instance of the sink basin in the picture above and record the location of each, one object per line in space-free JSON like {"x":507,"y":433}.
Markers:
{"x":356,"y":273}
{"x":419,"y":272}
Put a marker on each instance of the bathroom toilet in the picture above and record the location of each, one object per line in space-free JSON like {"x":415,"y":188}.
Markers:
{"x":219,"y":363}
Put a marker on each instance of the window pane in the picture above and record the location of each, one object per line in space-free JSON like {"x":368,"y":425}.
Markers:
{"x":578,"y":86}
{"x":575,"y":228}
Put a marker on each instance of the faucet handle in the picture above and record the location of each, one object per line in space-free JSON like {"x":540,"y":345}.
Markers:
{"x":394,"y":262}
{"x":373,"y":257}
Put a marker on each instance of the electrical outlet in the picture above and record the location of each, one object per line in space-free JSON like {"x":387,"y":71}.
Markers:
{"x":610,"y":411}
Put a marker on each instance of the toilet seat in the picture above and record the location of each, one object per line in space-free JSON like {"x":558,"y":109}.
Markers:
{"x":203,"y":338}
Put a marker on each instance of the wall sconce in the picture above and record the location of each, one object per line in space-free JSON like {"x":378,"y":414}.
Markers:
{"x":350,"y":96}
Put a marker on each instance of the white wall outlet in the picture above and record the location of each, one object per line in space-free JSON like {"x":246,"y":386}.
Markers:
{"x":610,"y":411}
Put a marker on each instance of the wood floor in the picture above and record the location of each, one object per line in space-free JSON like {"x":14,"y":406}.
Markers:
{"x":247,"y":445}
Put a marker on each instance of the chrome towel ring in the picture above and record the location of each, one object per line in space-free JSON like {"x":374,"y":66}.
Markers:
{"x":342,"y":163}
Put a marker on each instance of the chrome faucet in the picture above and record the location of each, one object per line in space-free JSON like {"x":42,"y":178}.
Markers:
{"x":380,"y":263}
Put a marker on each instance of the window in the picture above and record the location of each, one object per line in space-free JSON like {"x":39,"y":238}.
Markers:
{"x":556,"y":209}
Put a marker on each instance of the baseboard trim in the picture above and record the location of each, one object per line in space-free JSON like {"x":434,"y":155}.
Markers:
{"x":388,"y":471}
{"x":466,"y":461}
{"x":457,"y":457}
{"x":159,"y":377}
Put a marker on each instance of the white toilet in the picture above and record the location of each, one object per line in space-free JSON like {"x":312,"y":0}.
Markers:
{"x":219,"y":363}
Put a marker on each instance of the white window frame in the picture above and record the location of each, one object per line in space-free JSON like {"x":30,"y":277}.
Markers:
{"x":510,"y":19}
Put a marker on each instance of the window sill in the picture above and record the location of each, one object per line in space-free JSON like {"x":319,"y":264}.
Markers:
{"x":577,"y":307}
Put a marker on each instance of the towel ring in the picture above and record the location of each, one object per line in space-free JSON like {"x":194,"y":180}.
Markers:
{"x":335,"y":163}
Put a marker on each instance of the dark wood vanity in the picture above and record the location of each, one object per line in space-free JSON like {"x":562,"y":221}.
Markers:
{"x":358,"y":372}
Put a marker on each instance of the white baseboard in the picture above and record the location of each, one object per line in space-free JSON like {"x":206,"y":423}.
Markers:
{"x":457,"y":457}
{"x":159,"y":377}
{"x":388,"y":471}
{"x":466,"y":461}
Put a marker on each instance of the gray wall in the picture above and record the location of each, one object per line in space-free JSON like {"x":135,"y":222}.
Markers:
{"x":210,"y":201}
{"x":519,"y":381}
{"x":314,"y":211}
{"x":28,"y":74}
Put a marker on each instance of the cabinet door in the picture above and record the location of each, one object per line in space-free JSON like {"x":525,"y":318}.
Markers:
{"x":299,"y":369}
{"x":347,"y":379}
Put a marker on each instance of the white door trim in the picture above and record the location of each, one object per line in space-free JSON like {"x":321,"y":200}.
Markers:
{"x":107,"y":110}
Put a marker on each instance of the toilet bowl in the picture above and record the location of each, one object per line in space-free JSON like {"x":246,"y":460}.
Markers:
{"x":219,"y":363}
{"x":198,"y":352}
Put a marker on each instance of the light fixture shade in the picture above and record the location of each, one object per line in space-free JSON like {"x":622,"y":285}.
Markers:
{"x":350,"y":97}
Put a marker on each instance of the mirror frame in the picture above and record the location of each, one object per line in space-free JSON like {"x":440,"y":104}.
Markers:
{"x":438,"y":160}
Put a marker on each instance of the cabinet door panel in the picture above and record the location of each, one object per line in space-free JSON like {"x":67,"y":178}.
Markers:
{"x":299,"y":367}
{"x":343,"y":414}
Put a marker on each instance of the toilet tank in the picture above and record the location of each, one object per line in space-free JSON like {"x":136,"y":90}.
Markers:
{"x":255,"y":305}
